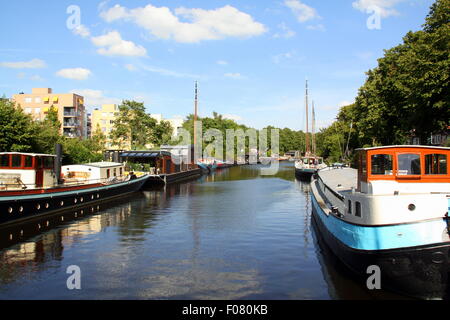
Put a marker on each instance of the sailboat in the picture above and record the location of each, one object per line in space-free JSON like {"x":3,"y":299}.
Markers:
{"x":210,"y":164}
{"x":310,"y":163}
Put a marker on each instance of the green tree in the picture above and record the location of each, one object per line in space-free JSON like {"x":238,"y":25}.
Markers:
{"x":17,"y":131}
{"x":132,"y":127}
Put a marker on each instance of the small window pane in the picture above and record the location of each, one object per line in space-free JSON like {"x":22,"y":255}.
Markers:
{"x":349,"y":208}
{"x":358,"y":209}
{"x":16,"y":161}
{"x":48,"y":162}
{"x":435,"y":164}
{"x":364,"y":164}
{"x":28,"y":162}
{"x":381,"y":164}
{"x":408,"y":164}
{"x":4,"y":160}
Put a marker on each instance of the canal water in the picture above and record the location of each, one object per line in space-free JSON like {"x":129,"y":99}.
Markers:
{"x":231,"y":235}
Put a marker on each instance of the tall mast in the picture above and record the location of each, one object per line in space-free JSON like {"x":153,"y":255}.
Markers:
{"x":308,"y":151}
{"x":195,"y":114}
{"x":313,"y":130}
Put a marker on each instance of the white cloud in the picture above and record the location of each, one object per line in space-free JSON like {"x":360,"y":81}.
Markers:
{"x":233,"y":75}
{"x":222,"y":62}
{"x":162,"y":23}
{"x":130,"y":67}
{"x":32,"y":64}
{"x":82,"y":31}
{"x":383,"y":7}
{"x":74,"y":74}
{"x":286,"y":32}
{"x":112,"y":44}
{"x":170,"y":73}
{"x":302,"y":11}
{"x":95,"y":98}
{"x":316,"y":27}
{"x":283,"y":57}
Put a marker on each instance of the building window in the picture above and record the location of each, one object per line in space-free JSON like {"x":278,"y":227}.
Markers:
{"x":37,"y":100}
{"x":349,"y":207}
{"x":28,"y":100}
{"x":37,"y":110}
{"x":435,"y":164}
{"x":381,"y":164}
{"x":28,"y":110}
{"x":408,"y":164}
{"x":358,"y":212}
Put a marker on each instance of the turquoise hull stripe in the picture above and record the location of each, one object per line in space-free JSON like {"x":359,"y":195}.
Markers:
{"x":57,"y":194}
{"x":383,"y":237}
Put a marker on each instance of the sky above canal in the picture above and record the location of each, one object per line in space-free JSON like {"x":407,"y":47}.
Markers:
{"x":251,"y":58}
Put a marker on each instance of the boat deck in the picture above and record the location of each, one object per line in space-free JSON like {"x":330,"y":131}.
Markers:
{"x":339,"y":179}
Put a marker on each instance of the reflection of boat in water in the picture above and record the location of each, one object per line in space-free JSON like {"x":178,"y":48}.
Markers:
{"x":31,"y":186}
{"x":392,"y":213}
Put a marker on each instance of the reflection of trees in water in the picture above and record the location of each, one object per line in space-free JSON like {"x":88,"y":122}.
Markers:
{"x":29,"y":247}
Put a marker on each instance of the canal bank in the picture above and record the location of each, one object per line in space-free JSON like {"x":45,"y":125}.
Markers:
{"x":233,"y":234}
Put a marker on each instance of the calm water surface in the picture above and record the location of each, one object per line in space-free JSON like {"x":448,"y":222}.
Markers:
{"x":231,"y":235}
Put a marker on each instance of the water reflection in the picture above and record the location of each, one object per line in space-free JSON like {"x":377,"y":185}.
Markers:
{"x":230,"y":235}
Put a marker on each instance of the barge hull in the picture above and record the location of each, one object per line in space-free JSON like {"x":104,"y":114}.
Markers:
{"x":420,"y":272}
{"x":22,"y":208}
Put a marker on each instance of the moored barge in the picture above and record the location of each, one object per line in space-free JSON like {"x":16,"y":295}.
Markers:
{"x":392,"y":213}
{"x":32,"y":186}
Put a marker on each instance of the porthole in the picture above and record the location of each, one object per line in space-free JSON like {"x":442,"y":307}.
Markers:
{"x":20,"y":209}
{"x":92,"y":197}
{"x":411,"y":207}
{"x":61,"y":203}
{"x":98,"y":196}
{"x":81,"y":199}
{"x":10,"y":210}
{"x":75,"y":200}
{"x":38,"y":206}
{"x":47,"y":206}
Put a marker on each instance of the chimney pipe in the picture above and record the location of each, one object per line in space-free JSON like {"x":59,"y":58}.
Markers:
{"x":58,"y":162}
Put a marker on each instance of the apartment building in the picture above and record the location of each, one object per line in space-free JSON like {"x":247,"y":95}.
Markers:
{"x":103,"y":119}
{"x":70,"y":106}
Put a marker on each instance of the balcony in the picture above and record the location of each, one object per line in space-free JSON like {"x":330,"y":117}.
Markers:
{"x":70,"y":124}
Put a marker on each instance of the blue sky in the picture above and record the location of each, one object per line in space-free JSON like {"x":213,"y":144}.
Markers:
{"x":251,"y":58}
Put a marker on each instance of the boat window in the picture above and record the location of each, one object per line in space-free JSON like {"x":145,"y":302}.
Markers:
{"x":28,"y":162}
{"x":436,"y":164}
{"x":349,"y":208}
{"x":381,"y":164}
{"x":4,"y":160}
{"x":364,"y":164}
{"x":358,"y":209}
{"x":48,"y":162}
{"x":115,"y":172}
{"x":16,"y":161}
{"x":408,"y":164}
{"x":305,"y":160}
{"x":108,"y":173}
